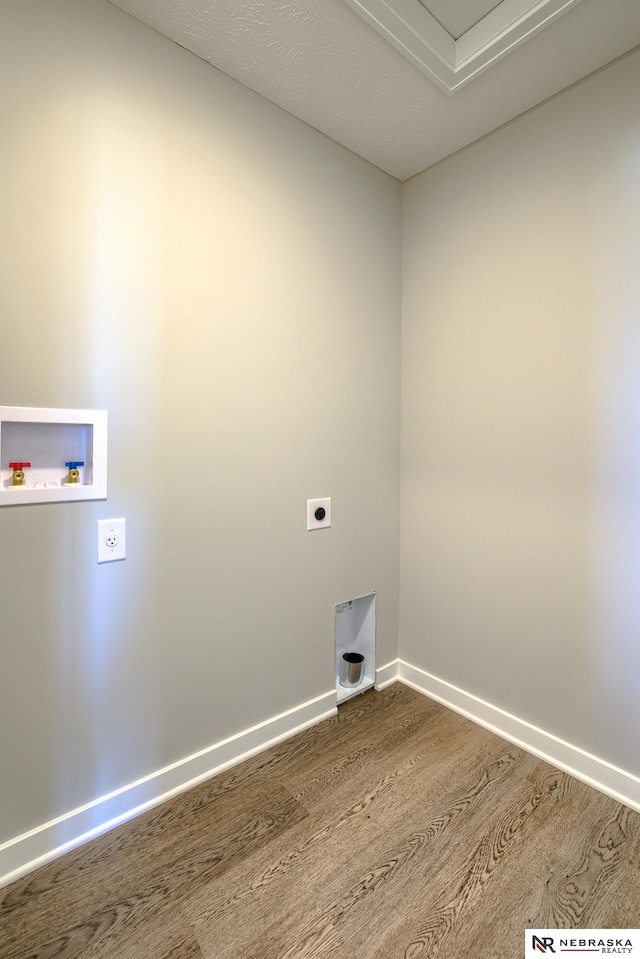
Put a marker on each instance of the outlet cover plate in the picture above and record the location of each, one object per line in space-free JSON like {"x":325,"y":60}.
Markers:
{"x":312,"y":506}
{"x":112,"y":540}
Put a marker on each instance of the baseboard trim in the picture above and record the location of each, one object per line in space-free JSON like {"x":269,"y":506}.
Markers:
{"x":387,"y":674}
{"x":621,"y":785}
{"x":32,"y":849}
{"x":47,"y":842}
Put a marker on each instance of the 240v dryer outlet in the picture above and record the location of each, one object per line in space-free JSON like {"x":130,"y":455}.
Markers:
{"x":319,"y":513}
{"x":112,"y":540}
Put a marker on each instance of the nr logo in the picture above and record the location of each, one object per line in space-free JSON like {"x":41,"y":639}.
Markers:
{"x":544,"y":944}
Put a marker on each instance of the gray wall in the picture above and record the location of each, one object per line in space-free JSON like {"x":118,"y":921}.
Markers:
{"x":520,"y":569}
{"x":226,"y":282}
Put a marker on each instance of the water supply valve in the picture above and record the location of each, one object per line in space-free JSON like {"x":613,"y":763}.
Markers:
{"x":74,"y":472}
{"x":18,"y":473}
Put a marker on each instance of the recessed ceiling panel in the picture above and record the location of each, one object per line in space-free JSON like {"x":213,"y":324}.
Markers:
{"x":458,"y":16}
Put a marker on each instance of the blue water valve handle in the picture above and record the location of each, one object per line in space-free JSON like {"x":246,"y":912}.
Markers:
{"x":72,"y":466}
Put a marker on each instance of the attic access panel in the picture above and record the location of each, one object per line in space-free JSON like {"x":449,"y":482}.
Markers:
{"x":459,"y":17}
{"x":449,"y":61}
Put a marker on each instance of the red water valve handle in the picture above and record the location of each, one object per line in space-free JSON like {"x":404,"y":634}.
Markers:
{"x":18,"y":466}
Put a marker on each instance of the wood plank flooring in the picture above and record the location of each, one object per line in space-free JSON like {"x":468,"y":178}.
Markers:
{"x":397,"y":830}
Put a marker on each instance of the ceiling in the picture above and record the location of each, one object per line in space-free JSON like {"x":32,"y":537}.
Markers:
{"x":338,"y":65}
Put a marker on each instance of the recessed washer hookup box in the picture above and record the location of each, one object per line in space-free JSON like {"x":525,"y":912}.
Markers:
{"x":50,"y":455}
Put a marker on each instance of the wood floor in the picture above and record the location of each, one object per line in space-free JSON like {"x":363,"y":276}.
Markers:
{"x":397,"y":830}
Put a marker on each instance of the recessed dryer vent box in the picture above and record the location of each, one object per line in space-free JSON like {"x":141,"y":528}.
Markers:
{"x":66,"y":453}
{"x":356,"y":636}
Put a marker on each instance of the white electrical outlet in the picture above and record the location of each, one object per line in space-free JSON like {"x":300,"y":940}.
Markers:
{"x":319,"y":513}
{"x":112,"y":540}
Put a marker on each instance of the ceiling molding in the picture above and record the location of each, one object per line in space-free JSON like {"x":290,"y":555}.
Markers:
{"x":449,"y":63}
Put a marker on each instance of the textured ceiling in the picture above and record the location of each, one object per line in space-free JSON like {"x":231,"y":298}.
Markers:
{"x":321,"y":62}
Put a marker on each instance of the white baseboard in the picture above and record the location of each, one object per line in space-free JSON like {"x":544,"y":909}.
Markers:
{"x":41,"y":845}
{"x":27,"y":852}
{"x":387,"y":674}
{"x":617,"y":783}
